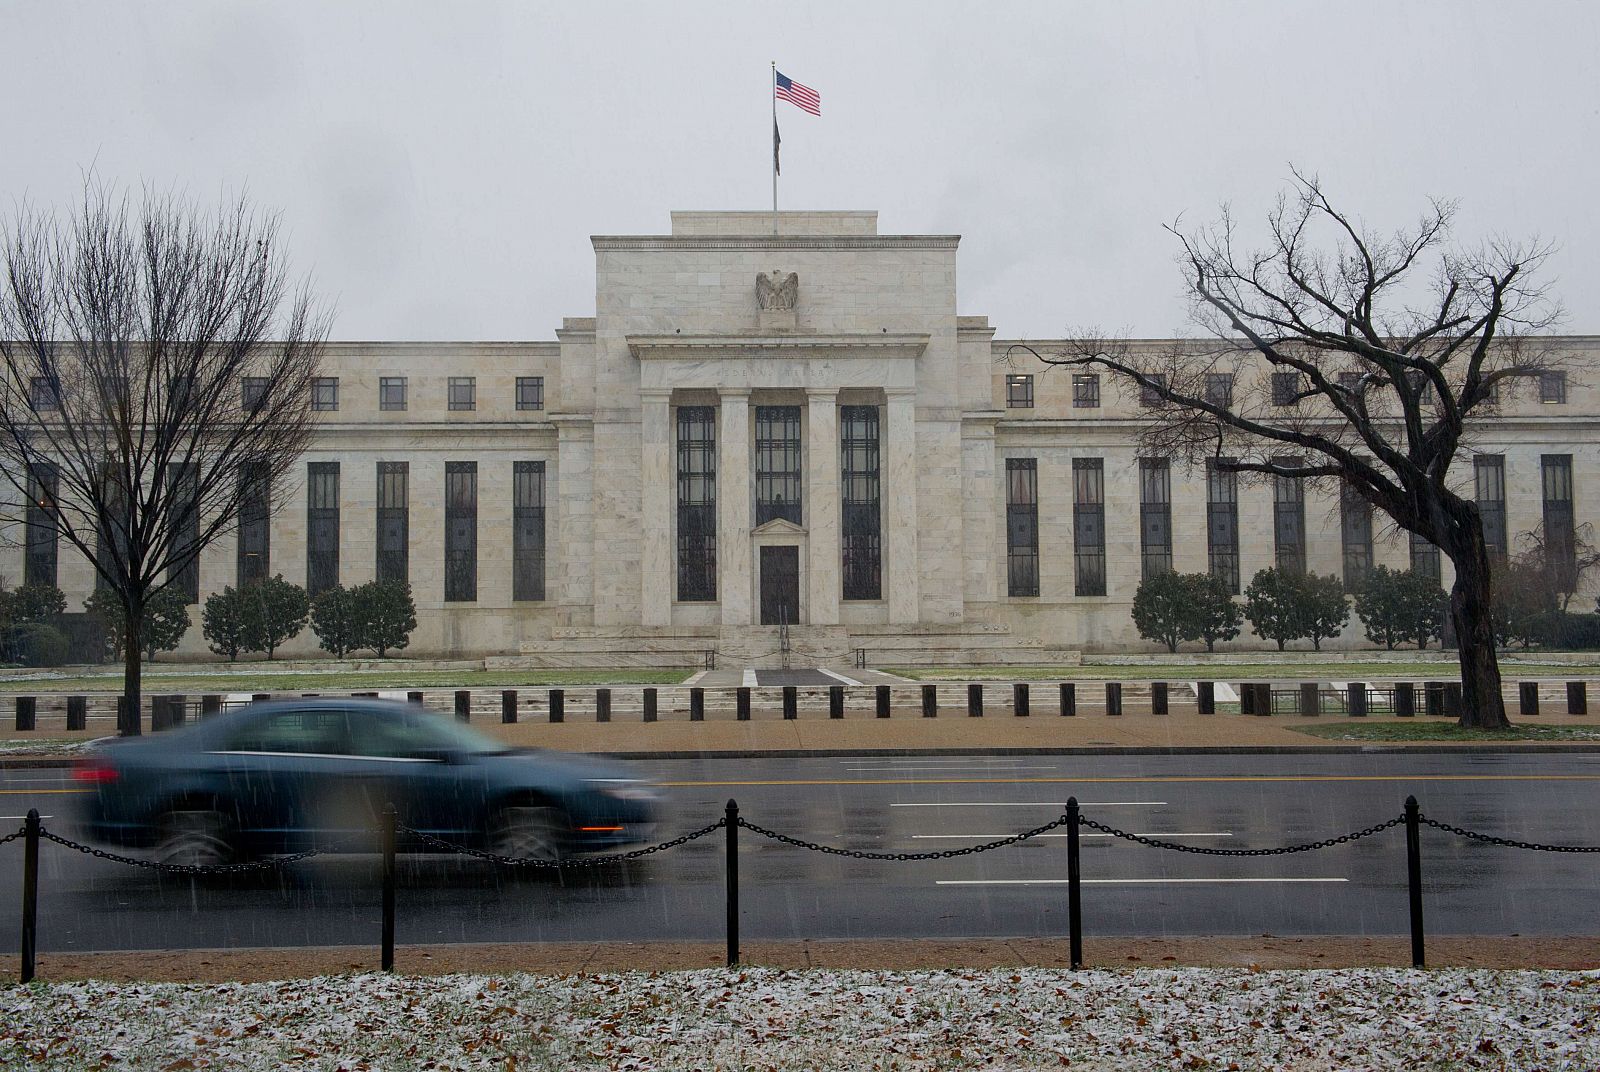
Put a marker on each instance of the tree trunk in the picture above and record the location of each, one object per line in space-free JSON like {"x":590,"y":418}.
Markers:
{"x":1482,"y":705}
{"x":1280,"y":643}
{"x":130,"y":724}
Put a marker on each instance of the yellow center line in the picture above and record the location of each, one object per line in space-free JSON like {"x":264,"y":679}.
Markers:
{"x":1163,"y":778}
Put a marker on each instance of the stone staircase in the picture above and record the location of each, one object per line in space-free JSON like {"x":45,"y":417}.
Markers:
{"x":967,"y":644}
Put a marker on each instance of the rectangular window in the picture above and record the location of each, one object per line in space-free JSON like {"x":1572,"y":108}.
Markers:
{"x":391,"y":392}
{"x":1489,"y":478}
{"x":777,"y":463}
{"x":1086,"y":390}
{"x":1089,"y":525}
{"x":1560,"y":537}
{"x":253,"y":393}
{"x":527,"y":531}
{"x":1349,"y":381}
{"x":861,"y":539}
{"x":1421,"y":385}
{"x":325,"y":393}
{"x":42,"y":394}
{"x":1222,"y":522}
{"x":1425,"y":558}
{"x":1289,"y":520}
{"x":697,"y":503}
{"x":1285,"y":388}
{"x":1552,"y":388}
{"x":42,"y":540}
{"x":322,"y":526}
{"x":1019,"y":391}
{"x":1218,"y":388}
{"x":1022,"y":527}
{"x":1355,"y":528}
{"x":394,"y":521}
{"x":463,"y":393}
{"x":460,"y":532}
{"x":183,"y":483}
{"x":255,"y":522}
{"x":111,"y":536}
{"x":1155,"y":516}
{"x":1150,"y":393}
{"x":530,"y":392}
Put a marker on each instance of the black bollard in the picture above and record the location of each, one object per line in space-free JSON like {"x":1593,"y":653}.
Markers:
{"x":1074,"y":887}
{"x":882,"y":699}
{"x":1310,"y":698}
{"x":730,"y":822}
{"x":558,"y":705}
{"x":1356,"y":704}
{"x":508,"y":705}
{"x":178,"y":709}
{"x":414,"y":697}
{"x":1452,"y":699}
{"x":77,"y":713}
{"x":1019,"y":699}
{"x":27,"y":712}
{"x":1158,"y":697}
{"x":791,"y":702}
{"x":1247,"y":698}
{"x":1414,"y":877}
{"x":261,"y":697}
{"x":697,"y":704}
{"x":127,"y":719}
{"x":210,"y":704}
{"x":1433,"y":698}
{"x":741,"y":703}
{"x":650,"y":704}
{"x":974,"y":700}
{"x":835,"y":701}
{"x":1405,"y":699}
{"x":1528,"y":697}
{"x":30,"y":894}
{"x":1113,"y":697}
{"x":602,"y":705}
{"x":464,"y":705}
{"x":1208,"y":697}
{"x":1577,"y":698}
{"x":159,"y":718}
{"x":930,"y":701}
{"x":1069,"y":699}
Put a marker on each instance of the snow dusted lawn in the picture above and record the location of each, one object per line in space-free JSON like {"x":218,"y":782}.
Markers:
{"x":753,"y":1019}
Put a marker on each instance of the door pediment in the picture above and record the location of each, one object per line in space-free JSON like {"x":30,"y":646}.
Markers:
{"x":778,"y":526}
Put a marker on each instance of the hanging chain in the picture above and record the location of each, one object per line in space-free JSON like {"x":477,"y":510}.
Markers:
{"x":858,"y":855}
{"x":1199,"y":850}
{"x":581,"y":861}
{"x":199,"y":869}
{"x":22,"y":831}
{"x":1510,"y":843}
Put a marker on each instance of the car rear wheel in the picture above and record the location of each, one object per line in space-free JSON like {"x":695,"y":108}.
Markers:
{"x":199,"y":837}
{"x":532,"y":832}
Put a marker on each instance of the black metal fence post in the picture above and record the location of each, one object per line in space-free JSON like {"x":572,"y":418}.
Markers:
{"x":731,"y":822}
{"x":930,"y":701}
{"x":1019,"y":699}
{"x":791,"y":702}
{"x":1113,"y":697}
{"x":975,"y":700}
{"x":1158,"y":697}
{"x":835,"y":701}
{"x":389,"y":824}
{"x":558,"y":705}
{"x":1414,"y":877}
{"x":508,"y":705}
{"x":1069,"y":699}
{"x":1356,"y":701}
{"x":77,"y":713}
{"x":30,"y":895}
{"x":602,"y":705}
{"x":1310,"y":698}
{"x":464,"y":705}
{"x":1577,"y":698}
{"x":1405,"y":699}
{"x":1074,"y":887}
{"x":650,"y":704}
{"x":881,"y":695}
{"x":1207,"y":699}
{"x":1527,"y":694}
{"x":741,"y":703}
{"x":697,"y":704}
{"x":27,"y":707}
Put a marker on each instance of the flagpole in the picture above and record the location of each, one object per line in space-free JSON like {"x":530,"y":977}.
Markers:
{"x":774,"y":98}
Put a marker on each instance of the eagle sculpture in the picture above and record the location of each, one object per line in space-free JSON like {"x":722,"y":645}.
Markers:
{"x":777,"y":291}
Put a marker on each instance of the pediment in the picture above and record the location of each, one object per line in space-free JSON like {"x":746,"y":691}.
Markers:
{"x":778,"y":526}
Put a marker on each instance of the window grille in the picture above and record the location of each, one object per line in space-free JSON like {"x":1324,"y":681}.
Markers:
{"x":42,"y":541}
{"x":861,"y":540}
{"x":778,"y":478}
{"x":1289,"y":520}
{"x":394,"y":521}
{"x":530,"y":392}
{"x":1489,"y":479}
{"x":1086,"y":390}
{"x":1022,"y":527}
{"x":322,"y":526}
{"x":1222,"y":522}
{"x":392,"y":393}
{"x":255,"y":534}
{"x":1089,"y":525}
{"x":1019,"y":391}
{"x":697,"y":503}
{"x":463,"y":393}
{"x":527,"y":531}
{"x":325,"y":393}
{"x":460,"y":532}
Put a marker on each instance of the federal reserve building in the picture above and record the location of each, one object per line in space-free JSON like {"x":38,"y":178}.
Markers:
{"x":789,"y":424}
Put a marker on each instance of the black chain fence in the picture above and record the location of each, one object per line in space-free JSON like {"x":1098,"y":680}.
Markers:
{"x":1412,"y":819}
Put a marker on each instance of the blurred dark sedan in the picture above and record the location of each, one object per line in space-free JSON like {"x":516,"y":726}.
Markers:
{"x":291,"y":775}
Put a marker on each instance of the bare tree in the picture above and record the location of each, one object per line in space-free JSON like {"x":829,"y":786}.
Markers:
{"x":158,"y":378}
{"x":1335,"y":356}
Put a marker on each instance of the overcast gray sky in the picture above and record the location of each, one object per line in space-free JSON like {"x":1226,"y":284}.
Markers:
{"x":441,"y":166}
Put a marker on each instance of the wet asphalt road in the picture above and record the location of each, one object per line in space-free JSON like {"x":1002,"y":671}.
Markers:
{"x":919,"y":804}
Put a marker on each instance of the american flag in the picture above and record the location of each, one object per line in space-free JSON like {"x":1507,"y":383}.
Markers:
{"x":802,"y":97}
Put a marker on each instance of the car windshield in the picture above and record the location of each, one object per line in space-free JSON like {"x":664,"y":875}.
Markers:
{"x":408,"y":731}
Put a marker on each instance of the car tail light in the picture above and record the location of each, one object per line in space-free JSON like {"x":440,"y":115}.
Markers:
{"x":94,"y":772}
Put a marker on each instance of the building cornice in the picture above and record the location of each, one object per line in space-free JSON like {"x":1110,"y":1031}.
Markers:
{"x":784,"y":347}
{"x":736,"y":243}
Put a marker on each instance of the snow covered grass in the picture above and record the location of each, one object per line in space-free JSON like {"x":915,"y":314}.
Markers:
{"x":824,"y":1020}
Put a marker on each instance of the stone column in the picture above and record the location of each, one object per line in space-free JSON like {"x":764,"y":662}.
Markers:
{"x":899,"y":484}
{"x":657,"y":484}
{"x":822,"y":507}
{"x":733,"y":508}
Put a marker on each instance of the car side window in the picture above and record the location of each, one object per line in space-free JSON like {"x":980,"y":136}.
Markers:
{"x":297,"y":732}
{"x":387,"y":737}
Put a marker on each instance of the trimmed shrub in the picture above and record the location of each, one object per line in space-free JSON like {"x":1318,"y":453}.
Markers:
{"x":34,"y":603}
{"x":1324,"y":607}
{"x":36,"y":644}
{"x":387,"y":615}
{"x":335,"y":620}
{"x":1163,"y":609}
{"x":222,"y":622}
{"x":1272,"y":603}
{"x":166,"y":620}
{"x":1218,"y":616}
{"x":274,"y":611}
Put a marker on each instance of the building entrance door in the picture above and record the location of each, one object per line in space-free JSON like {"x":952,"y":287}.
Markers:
{"x":780,"y":585}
